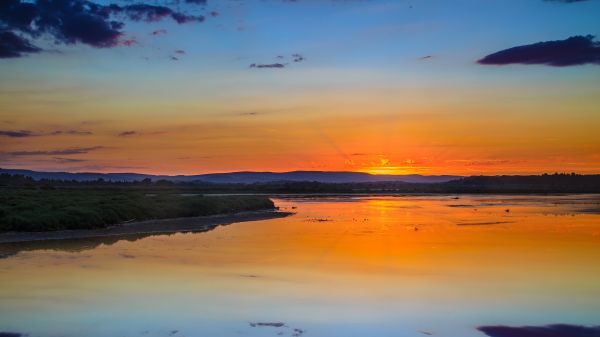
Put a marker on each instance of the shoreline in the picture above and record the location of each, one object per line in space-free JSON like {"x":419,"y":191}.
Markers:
{"x":149,"y":227}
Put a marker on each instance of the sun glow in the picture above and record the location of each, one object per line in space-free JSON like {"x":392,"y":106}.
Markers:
{"x":397,"y":170}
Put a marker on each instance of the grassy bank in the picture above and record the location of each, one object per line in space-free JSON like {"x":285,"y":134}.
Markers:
{"x":49,"y":210}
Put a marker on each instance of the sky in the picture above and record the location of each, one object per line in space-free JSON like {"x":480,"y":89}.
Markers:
{"x":386,"y":87}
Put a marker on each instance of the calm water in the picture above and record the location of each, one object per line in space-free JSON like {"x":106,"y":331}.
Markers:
{"x":366,"y":266}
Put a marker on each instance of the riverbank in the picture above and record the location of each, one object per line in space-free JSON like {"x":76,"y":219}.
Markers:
{"x":149,"y":227}
{"x":40,"y":210}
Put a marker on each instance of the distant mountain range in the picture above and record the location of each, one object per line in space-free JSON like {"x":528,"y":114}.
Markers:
{"x":240,"y":177}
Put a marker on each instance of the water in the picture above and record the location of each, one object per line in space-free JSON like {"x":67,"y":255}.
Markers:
{"x":341,"y":266}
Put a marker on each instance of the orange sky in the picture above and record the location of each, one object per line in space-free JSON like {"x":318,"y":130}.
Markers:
{"x":363,"y":99}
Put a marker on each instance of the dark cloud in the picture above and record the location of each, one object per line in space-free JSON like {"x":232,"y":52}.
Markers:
{"x":153,"y":13}
{"x":73,"y":22}
{"x":298,"y":58}
{"x":270,"y":65}
{"x":158,"y":32}
{"x":10,"y":334}
{"x":576,"y":50}
{"x":18,"y":15}
{"x":68,"y":160}
{"x":566,"y":1}
{"x":76,"y":21}
{"x":71,"y":132}
{"x":127,"y":133}
{"x":182,"y":18}
{"x":27,"y":133}
{"x":269,"y":324}
{"x":13,"y":45}
{"x":294,"y":58}
{"x":16,"y":134}
{"x":558,"y":330}
{"x":61,"y":152}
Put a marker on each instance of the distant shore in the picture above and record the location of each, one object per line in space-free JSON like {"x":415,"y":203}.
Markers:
{"x":162,"y":226}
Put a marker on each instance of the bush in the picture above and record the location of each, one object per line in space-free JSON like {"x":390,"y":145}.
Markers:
{"x":48,"y":210}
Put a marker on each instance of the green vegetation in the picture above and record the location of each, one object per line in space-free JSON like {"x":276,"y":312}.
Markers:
{"x":37,"y":209}
{"x":45,"y":205}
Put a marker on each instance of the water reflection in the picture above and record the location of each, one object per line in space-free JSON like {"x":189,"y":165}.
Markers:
{"x":74,"y":245}
{"x":367,"y":266}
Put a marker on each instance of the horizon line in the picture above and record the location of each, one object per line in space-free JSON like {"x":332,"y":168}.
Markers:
{"x":295,"y":171}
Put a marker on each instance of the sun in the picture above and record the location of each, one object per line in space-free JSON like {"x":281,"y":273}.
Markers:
{"x":388,"y":170}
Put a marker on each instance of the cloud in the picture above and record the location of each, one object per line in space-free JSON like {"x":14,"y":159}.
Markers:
{"x":129,"y":42}
{"x":158,"y":32}
{"x":540,"y":331}
{"x":61,"y":152}
{"x":74,"y":22}
{"x":16,"y":134}
{"x":10,"y":334}
{"x":576,"y":50}
{"x":68,"y":160}
{"x":71,"y":132}
{"x":27,"y":133}
{"x":298,"y":58}
{"x":127,"y":133}
{"x":153,"y":13}
{"x":271,"y":65}
{"x":13,"y":45}
{"x":566,"y":1}
{"x":295,"y":58}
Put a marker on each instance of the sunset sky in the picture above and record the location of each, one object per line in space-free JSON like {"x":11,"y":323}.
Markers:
{"x":396,"y":87}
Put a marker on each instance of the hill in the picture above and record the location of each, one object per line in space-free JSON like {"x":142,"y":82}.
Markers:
{"x":238,"y":177}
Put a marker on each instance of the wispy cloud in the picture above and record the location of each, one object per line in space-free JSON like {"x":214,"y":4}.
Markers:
{"x":294,"y":58}
{"x":158,"y":32}
{"x":249,"y":113}
{"x":71,"y":132}
{"x":128,"y":133}
{"x":60,"y":152}
{"x":68,"y":160}
{"x":16,"y":134}
{"x":28,"y":133}
{"x":268,"y":65}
